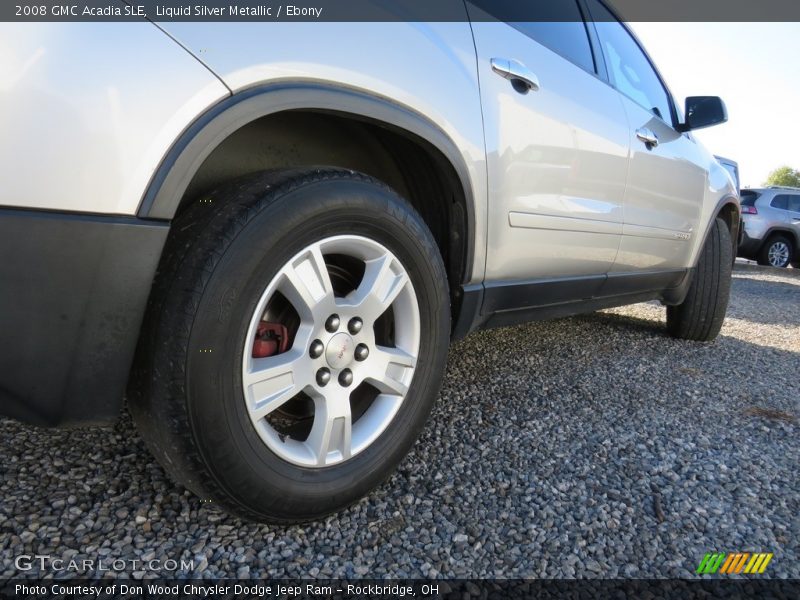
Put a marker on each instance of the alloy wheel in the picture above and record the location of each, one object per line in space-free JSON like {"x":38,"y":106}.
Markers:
{"x":331,"y":350}
{"x":778,"y":254}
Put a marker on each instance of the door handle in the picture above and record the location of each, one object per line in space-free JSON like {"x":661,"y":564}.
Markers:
{"x":520,"y":76}
{"x":648,"y":136}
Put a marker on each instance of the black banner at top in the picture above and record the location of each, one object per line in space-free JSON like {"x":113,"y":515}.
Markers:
{"x":391,"y":10}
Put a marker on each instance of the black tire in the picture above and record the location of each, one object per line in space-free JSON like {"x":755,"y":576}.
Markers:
{"x":702,"y":312}
{"x":187,"y":402}
{"x":763,"y":253}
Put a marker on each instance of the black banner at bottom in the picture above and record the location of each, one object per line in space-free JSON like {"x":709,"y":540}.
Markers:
{"x":307,"y":589}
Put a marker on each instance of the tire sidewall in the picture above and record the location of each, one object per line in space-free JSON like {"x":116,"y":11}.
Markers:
{"x":241,"y":463}
{"x":701,"y":314}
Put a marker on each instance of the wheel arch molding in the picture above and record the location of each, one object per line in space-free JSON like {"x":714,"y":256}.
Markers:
{"x":727,"y":209}
{"x":175,"y":173}
{"x":782,"y":231}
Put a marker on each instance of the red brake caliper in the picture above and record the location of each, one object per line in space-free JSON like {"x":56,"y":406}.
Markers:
{"x":271,"y":339}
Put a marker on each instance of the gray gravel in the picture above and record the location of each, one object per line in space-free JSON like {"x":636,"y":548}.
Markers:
{"x":587,"y":447}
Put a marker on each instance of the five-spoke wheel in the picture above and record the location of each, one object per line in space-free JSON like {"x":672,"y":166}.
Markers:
{"x":352,"y":314}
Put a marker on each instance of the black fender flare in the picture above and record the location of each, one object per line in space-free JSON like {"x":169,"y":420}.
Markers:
{"x":786,"y":231}
{"x":722,"y":203}
{"x":676,"y":295}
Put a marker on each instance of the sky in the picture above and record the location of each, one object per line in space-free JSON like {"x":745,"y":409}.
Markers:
{"x":755,"y":68}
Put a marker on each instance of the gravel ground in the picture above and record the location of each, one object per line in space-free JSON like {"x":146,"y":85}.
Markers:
{"x":587,"y":447}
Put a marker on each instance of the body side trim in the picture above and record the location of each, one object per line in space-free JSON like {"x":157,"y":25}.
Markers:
{"x":659,"y":233}
{"x":540,"y":221}
{"x":469,"y":313}
{"x":572,"y":295}
{"x":567,"y":309}
{"x":647,"y":281}
{"x":514,"y":295}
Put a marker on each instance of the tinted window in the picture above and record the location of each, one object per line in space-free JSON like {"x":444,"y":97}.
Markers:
{"x":569,"y":39}
{"x":780,"y":201}
{"x":629,"y":69}
{"x":557,"y":25}
{"x":749,"y":198}
{"x":794,"y":203}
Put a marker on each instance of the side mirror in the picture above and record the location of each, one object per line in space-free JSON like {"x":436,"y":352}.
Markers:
{"x":703,"y":111}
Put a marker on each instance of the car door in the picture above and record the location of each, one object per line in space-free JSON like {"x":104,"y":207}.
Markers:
{"x":557,"y":155}
{"x":668,"y":175}
{"x":793,"y":215}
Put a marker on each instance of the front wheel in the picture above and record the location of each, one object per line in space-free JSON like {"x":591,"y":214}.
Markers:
{"x":295,"y":343}
{"x":702,"y":312}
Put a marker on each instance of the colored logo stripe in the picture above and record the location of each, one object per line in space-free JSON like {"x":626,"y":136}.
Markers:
{"x":734,"y":563}
{"x":758,"y":563}
{"x":710,"y":563}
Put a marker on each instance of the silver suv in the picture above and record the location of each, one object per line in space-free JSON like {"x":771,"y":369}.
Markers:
{"x":771,"y":233}
{"x":269,"y":233}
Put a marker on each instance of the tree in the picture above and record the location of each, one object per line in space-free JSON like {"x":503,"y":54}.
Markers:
{"x":785,"y":176}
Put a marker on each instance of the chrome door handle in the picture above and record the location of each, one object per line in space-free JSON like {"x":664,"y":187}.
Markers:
{"x":647,"y":136}
{"x":520,"y":76}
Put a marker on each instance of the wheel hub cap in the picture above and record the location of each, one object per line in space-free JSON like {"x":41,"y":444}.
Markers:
{"x":339,"y":352}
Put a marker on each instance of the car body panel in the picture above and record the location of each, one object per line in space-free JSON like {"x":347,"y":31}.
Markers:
{"x":557,"y":164}
{"x":732,"y":167}
{"x":97,"y":106}
{"x":568,"y":211}
{"x":663,"y":197}
{"x":428,"y":68}
{"x":793,"y":219}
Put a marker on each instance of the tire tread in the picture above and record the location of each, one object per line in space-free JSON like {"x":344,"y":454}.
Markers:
{"x":700,"y":316}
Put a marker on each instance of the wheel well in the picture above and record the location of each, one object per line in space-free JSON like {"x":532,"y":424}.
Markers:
{"x":730,"y":214}
{"x":783,"y":232}
{"x":414,"y":168}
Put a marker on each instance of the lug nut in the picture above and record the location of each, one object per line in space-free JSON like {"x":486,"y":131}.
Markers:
{"x":332,"y":324}
{"x":346,"y":377}
{"x":355,"y":325}
{"x":323,"y":376}
{"x":316,"y":350}
{"x":361,"y":352}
